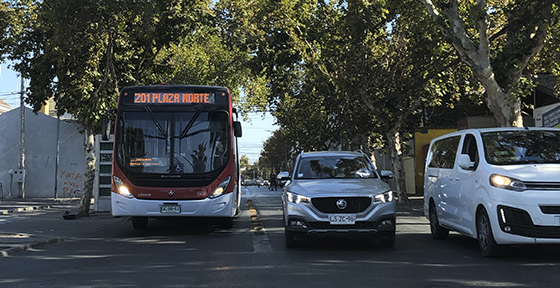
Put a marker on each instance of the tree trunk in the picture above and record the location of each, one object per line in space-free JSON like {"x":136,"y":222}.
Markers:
{"x":394,"y":145}
{"x":507,"y":113}
{"x":87,"y":192}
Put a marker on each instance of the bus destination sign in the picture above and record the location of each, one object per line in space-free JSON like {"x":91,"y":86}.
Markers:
{"x":174,"y":98}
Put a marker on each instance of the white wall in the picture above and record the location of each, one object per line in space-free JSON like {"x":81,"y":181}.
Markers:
{"x":40,"y":155}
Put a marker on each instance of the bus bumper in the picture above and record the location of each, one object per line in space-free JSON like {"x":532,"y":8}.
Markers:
{"x":222,"y":206}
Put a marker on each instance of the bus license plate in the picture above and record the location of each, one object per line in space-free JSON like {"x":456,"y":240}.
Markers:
{"x":170,"y":208}
{"x":342,"y":219}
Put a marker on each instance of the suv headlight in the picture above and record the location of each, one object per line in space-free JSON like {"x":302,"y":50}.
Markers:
{"x":121,"y":188}
{"x":505,"y":182}
{"x":384,"y":197}
{"x":221,"y":189}
{"x":296,"y":198}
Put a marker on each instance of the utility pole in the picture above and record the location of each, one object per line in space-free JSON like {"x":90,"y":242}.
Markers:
{"x":21,"y":164}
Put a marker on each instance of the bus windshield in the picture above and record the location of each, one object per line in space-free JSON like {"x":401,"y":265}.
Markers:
{"x":172,"y":142}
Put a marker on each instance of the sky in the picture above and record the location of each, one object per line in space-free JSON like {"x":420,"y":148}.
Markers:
{"x":10,"y":85}
{"x":255,"y":131}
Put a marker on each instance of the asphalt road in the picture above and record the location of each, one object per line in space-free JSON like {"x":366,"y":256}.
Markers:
{"x":108,"y":252}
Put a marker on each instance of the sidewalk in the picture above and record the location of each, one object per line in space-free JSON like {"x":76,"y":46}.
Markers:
{"x":33,"y":223}
{"x":414,"y":206}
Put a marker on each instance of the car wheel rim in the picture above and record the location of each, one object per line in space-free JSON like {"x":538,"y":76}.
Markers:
{"x":483,"y":232}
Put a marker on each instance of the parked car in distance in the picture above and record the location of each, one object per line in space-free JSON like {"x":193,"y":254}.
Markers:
{"x":497,"y":185}
{"x":337,"y":193}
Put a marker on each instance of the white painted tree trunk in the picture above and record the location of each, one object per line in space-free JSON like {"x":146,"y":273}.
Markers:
{"x":87,"y":192}
{"x":395,"y":149}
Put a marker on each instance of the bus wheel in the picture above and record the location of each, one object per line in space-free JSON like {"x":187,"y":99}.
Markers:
{"x":139,"y":223}
{"x":226,"y":223}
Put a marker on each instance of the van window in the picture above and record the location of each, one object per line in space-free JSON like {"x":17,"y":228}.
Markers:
{"x":470,"y":148}
{"x":521,"y":147}
{"x":444,"y":152}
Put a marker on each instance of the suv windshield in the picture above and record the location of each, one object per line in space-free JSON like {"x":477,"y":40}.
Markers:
{"x":172,"y":142}
{"x":521,"y":147}
{"x":334,"y":167}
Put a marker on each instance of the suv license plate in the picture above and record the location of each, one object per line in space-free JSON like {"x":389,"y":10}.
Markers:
{"x":343,"y":219}
{"x":167,"y":208}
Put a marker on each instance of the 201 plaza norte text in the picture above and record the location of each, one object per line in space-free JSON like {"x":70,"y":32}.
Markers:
{"x":174,"y":98}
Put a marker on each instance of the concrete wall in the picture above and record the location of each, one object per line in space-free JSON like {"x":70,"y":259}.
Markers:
{"x":40,"y":155}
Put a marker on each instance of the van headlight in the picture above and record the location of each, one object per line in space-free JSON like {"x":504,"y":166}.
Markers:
{"x":505,"y":182}
{"x":384,"y":197}
{"x":121,"y":188}
{"x":296,"y":198}
{"x":221,"y":189}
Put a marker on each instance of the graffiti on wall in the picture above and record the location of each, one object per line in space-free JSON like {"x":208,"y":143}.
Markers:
{"x":72,"y":181}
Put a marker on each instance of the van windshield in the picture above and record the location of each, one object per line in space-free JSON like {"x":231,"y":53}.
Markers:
{"x":522,"y":147}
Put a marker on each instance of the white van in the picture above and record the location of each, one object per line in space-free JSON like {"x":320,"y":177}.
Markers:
{"x":498,"y":185}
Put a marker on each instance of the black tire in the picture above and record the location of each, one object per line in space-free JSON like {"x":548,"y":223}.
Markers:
{"x":139,"y":223}
{"x":486,"y":242}
{"x":290,"y":241}
{"x":226,"y":223}
{"x":437,"y":231}
{"x":388,"y":239}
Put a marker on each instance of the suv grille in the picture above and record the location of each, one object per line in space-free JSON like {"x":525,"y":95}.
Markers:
{"x":354,"y":204}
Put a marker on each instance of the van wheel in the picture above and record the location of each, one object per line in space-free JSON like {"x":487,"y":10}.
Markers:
{"x":139,"y":223}
{"x":437,"y":231}
{"x":486,"y":243}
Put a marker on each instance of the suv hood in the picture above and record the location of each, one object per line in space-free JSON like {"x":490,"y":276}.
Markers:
{"x":338,"y":187}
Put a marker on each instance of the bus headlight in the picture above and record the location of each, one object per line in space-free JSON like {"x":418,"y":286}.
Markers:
{"x":221,"y":189}
{"x":121,"y":188}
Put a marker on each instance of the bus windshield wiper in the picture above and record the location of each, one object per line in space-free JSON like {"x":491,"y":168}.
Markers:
{"x":190,"y":124}
{"x":158,"y":125}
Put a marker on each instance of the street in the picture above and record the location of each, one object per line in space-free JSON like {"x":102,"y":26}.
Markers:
{"x":252,"y":254}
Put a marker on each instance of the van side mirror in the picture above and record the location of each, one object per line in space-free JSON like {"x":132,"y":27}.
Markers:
{"x":237,"y":129}
{"x":465,"y":162}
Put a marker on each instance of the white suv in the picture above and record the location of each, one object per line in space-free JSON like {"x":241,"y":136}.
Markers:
{"x":338,"y":193}
{"x":498,"y":185}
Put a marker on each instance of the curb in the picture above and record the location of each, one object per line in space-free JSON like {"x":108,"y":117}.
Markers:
{"x":21,"y":248}
{"x":7,"y":211}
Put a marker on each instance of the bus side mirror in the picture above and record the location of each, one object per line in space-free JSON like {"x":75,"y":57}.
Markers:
{"x":106,"y":128}
{"x":237,"y":129}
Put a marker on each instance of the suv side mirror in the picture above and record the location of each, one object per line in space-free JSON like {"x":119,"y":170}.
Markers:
{"x":386,"y":174}
{"x":283,"y":175}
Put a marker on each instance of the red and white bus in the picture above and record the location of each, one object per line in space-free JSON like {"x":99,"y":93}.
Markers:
{"x":175,"y":154}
